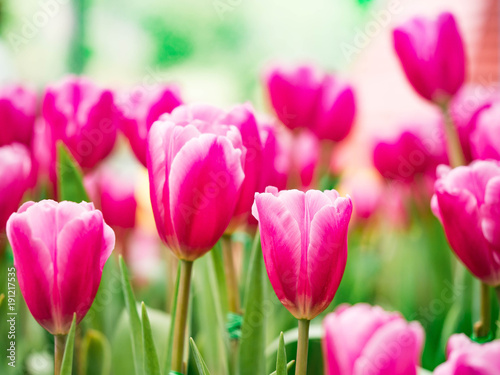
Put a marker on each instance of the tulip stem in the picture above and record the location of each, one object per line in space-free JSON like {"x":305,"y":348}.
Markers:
{"x":233,"y":294}
{"x":482,"y":328}
{"x":59,"y":345}
{"x":455,"y":151}
{"x":181,"y":316}
{"x":302,"y":347}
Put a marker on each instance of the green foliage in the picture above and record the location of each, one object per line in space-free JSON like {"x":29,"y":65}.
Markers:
{"x":67,"y":361}
{"x":281,"y":358}
{"x":200,"y":363}
{"x":69,"y":177}
{"x":151,"y":363}
{"x":95,"y":354}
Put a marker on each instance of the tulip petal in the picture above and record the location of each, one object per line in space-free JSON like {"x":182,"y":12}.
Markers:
{"x":491,"y":213}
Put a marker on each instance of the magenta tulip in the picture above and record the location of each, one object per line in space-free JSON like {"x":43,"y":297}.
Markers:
{"x":304,"y":242}
{"x":432,"y":55}
{"x":141,"y":110}
{"x":467,"y":202}
{"x":84,"y":117}
{"x":196,"y":174}
{"x":485,"y":138}
{"x":466,"y":357}
{"x":15,"y":167}
{"x":59,"y":252}
{"x":363,"y":339}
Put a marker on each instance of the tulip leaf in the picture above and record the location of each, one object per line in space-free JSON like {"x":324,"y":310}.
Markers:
{"x":288,"y":367}
{"x":95,"y":354}
{"x":198,"y":359}
{"x":2,"y":297}
{"x":252,"y":355}
{"x":151,"y":363}
{"x":281,"y":358}
{"x":69,"y":177}
{"x":135,"y":322}
{"x":67,"y":361}
{"x":170,"y":339}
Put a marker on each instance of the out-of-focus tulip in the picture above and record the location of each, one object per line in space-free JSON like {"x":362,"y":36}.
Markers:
{"x":59,"y":252}
{"x":306,"y":98}
{"x":485,"y":139}
{"x":366,"y":188}
{"x":304,"y":242}
{"x":305,"y":155}
{"x":141,"y":110}
{"x":364,"y":339}
{"x":114,"y":194}
{"x":465,"y":109}
{"x":467,"y":202}
{"x":196,"y":174}
{"x":243,"y":118}
{"x":431,"y":52}
{"x":467,"y":357}
{"x":415,"y":149}
{"x":84,"y":117}
{"x":15,"y":167}
{"x":18,"y":107}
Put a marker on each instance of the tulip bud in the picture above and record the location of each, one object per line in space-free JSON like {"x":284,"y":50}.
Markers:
{"x":485,"y":138}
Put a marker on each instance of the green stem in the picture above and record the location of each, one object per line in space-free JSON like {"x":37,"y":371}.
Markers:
{"x":233,"y":294}
{"x":482,"y":328}
{"x":302,"y":347}
{"x":455,"y":152}
{"x":497,"y":292}
{"x":59,"y":345}
{"x":181,"y":316}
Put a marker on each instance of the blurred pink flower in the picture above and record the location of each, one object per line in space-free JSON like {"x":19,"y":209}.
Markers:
{"x":305,"y":157}
{"x":467,"y":202}
{"x":59,"y":253}
{"x":142,"y":108}
{"x":485,"y":138}
{"x":196,"y":173}
{"x":467,"y":357}
{"x":432,"y":55}
{"x":366,"y":189}
{"x":304,"y":242}
{"x":15,"y":167}
{"x":364,"y":339}
{"x":83,"y":116}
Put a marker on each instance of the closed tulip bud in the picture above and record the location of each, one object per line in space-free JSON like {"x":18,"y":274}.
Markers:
{"x":467,"y":202}
{"x":196,"y":174}
{"x":485,"y":138}
{"x":304,"y":242}
{"x":84,"y":117}
{"x":364,"y":339}
{"x":306,"y":157}
{"x":432,"y":55}
{"x":467,"y":357}
{"x":141,"y":110}
{"x":15,"y":167}
{"x":59,"y":253}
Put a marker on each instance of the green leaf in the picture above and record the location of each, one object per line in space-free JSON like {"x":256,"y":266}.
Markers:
{"x":252,"y":356}
{"x":281,"y":358}
{"x":288,"y":367}
{"x":2,"y":297}
{"x":69,"y":177}
{"x":170,"y":339}
{"x":95,"y":354}
{"x":198,"y":359}
{"x":151,"y":363}
{"x":67,"y":362}
{"x":135,"y":322}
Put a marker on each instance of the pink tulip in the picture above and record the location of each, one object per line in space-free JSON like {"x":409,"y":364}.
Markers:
{"x":142,"y":108}
{"x":467,"y":202}
{"x":306,"y":155}
{"x":432,"y":55}
{"x":363,"y":339}
{"x":15,"y":167}
{"x":367,"y":191}
{"x":114,"y":193}
{"x":196,"y":174}
{"x":84,"y":117}
{"x":243,"y":118}
{"x":466,"y":357}
{"x":485,"y":138}
{"x":304,"y":242}
{"x":59,"y":252}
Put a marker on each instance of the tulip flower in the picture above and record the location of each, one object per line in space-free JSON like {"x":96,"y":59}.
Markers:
{"x":466,"y":201}
{"x":15,"y":167}
{"x":84,"y":117}
{"x":485,"y":138}
{"x":306,"y":157}
{"x":304,"y":242}
{"x":432,"y":55}
{"x":367,"y":190}
{"x":141,"y":110}
{"x":196,"y":175}
{"x":363,"y":339}
{"x":467,"y":357}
